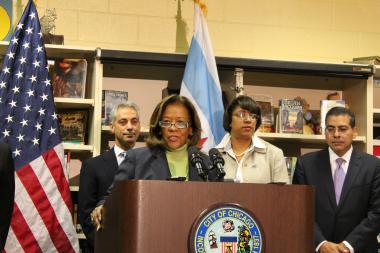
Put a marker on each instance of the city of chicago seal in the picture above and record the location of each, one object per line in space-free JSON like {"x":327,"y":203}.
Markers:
{"x":226,"y":228}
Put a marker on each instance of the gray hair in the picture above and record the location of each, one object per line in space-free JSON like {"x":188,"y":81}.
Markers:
{"x":128,"y":104}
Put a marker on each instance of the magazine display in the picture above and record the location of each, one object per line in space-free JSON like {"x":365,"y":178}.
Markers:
{"x":291,"y":116}
{"x":68,"y":78}
{"x":73,"y":126}
{"x":111,"y":98}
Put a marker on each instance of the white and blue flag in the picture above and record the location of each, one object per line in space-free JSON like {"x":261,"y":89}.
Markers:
{"x":201,"y":83}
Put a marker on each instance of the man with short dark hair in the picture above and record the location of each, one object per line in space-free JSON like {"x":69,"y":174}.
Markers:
{"x":7,"y":191}
{"x":347,"y":189}
{"x":97,"y":173}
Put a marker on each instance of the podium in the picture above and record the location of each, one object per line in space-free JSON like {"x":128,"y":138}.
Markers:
{"x":144,"y":216}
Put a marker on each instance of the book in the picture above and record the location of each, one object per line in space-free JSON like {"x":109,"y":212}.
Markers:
{"x":267,"y":116}
{"x":73,"y":126}
{"x":326,"y":105}
{"x":111,"y":98}
{"x":68,"y":78}
{"x":291,"y":116}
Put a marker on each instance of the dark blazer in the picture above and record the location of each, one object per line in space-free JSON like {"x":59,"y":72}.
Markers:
{"x":146,"y":163}
{"x":96,"y":176}
{"x":357,"y":217}
{"x":151,"y":164}
{"x":7,"y":191}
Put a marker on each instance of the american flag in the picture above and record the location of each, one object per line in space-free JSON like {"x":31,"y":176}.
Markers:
{"x":41,"y":220}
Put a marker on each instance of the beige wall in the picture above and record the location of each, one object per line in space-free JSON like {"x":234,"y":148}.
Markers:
{"x":311,"y":30}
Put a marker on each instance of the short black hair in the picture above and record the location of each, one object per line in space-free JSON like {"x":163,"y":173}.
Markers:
{"x":244,"y":102}
{"x":337,"y":111}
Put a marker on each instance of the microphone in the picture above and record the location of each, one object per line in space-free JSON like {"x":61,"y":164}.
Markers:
{"x":217,"y":162}
{"x":196,"y":161}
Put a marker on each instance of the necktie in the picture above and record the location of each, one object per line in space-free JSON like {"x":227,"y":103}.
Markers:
{"x":339,"y":179}
{"x":122,"y":156}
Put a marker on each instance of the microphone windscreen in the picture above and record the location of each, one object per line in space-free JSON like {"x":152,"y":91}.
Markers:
{"x":214,"y":151}
{"x":193,"y":150}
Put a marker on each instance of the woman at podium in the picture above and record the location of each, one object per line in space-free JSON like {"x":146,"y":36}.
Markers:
{"x":171,"y":152}
{"x":248,"y":158}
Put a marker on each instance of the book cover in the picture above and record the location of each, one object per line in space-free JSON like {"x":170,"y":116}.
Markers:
{"x":111,"y":98}
{"x":73,"y":126}
{"x":326,"y":105}
{"x":69,"y":78}
{"x":267,"y":115}
{"x":291,"y":116}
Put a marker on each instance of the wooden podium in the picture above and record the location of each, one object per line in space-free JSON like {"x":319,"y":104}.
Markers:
{"x":144,"y":216}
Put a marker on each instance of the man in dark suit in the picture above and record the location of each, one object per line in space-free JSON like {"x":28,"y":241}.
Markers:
{"x":347,"y":189}
{"x":97,"y":173}
{"x":7,"y":191}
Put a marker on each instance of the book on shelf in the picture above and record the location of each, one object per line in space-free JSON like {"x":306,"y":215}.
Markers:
{"x":291,"y":116}
{"x":326,"y":105}
{"x":111,"y":98}
{"x":73,"y":125}
{"x":68,"y":77}
{"x":267,"y":116}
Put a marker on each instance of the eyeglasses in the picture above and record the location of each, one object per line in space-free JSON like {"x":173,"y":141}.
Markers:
{"x":340,"y":129}
{"x":178,"y":124}
{"x":244,"y":115}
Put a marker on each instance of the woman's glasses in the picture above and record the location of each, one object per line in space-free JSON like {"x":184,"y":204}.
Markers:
{"x":178,"y":124}
{"x":244,"y":115}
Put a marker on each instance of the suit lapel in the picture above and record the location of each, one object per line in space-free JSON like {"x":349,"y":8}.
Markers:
{"x":110,"y":160}
{"x":352,"y":172}
{"x":161,"y":164}
{"x":326,"y":177}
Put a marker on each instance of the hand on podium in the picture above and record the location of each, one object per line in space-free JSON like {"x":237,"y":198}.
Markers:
{"x":97,"y":217}
{"x":330,"y":247}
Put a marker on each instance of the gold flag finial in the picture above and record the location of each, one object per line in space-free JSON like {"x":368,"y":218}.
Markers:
{"x":202,"y":5}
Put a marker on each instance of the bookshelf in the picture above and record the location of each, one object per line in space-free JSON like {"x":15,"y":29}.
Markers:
{"x":376,"y":108}
{"x":310,"y":79}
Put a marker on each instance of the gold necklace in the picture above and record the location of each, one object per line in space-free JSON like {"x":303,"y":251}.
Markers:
{"x":240,"y":154}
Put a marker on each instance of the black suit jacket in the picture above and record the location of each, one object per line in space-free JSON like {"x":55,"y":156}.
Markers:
{"x":357,"y":217}
{"x":145,"y":163}
{"x":96,"y":176}
{"x":7,"y":191}
{"x":151,"y":164}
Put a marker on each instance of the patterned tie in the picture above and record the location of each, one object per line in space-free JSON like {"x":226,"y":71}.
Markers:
{"x":339,"y":179}
{"x":122,"y":156}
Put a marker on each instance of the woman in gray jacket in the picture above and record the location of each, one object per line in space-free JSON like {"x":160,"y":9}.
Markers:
{"x":249,"y":159}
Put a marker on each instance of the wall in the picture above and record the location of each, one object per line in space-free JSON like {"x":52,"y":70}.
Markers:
{"x":311,"y":30}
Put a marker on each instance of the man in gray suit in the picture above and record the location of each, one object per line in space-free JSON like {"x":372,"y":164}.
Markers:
{"x":97,"y":173}
{"x":347,"y":189}
{"x":7,"y":191}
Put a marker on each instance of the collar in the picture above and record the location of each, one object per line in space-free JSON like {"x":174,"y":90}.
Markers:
{"x":333,"y":156}
{"x":178,"y":150}
{"x":118,"y":150}
{"x":257,"y":143}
